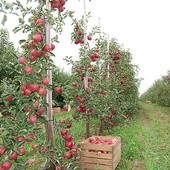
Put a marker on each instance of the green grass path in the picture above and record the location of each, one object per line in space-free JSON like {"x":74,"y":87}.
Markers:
{"x":145,"y":139}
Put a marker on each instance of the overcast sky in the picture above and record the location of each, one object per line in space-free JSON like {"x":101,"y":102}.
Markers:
{"x":143,"y":26}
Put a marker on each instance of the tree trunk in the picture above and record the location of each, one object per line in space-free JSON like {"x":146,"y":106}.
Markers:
{"x":100,"y":132}
{"x":87,"y":125}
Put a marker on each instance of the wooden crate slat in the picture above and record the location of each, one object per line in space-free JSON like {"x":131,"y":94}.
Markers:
{"x":87,"y":146}
{"x":117,"y":149}
{"x":116,"y":160}
{"x":117,"y":143}
{"x":96,"y":155}
{"x":95,"y":167}
{"x":97,"y":161}
{"x":102,"y":137}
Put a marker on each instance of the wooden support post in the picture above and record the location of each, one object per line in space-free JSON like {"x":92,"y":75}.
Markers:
{"x":86,"y":74}
{"x":108,"y":66}
{"x":49,"y":125}
{"x":87,"y":114}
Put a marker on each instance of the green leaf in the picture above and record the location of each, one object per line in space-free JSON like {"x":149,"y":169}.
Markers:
{"x":16,"y":29}
{"x":52,"y":54}
{"x":4,"y":20}
{"x":21,"y":21}
{"x":21,"y":41}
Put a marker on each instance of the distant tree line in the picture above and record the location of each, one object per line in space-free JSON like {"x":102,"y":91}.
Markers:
{"x":159,"y":92}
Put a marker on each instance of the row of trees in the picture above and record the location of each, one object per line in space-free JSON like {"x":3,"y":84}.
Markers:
{"x":102,"y":85}
{"x":159,"y":92}
{"x":111,"y":92}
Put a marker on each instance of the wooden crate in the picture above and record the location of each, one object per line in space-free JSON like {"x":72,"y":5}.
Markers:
{"x":56,"y":110}
{"x":99,"y":156}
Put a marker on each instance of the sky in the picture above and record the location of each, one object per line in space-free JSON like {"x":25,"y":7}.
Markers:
{"x":139,"y":25}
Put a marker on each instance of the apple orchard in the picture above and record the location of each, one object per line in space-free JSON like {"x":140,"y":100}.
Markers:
{"x":102,"y":86}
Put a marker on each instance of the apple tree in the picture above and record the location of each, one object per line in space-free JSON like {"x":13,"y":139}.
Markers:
{"x":24,"y":114}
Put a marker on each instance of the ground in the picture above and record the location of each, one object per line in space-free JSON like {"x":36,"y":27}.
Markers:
{"x":146,"y":144}
{"x":145,"y":139}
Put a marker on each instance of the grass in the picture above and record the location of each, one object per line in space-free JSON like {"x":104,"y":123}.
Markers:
{"x":145,"y":139}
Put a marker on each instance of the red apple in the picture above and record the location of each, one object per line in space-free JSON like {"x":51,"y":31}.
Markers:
{"x":37,"y":37}
{"x":62,"y":2}
{"x":27,"y":109}
{"x":45,"y":81}
{"x":32,"y":119}
{"x":52,"y":46}
{"x":97,"y":55}
{"x":40,"y":111}
{"x":89,"y":37}
{"x":63,"y":132}
{"x":22,"y":151}
{"x":111,"y":124}
{"x":69,"y":125}
{"x":76,"y":41}
{"x":39,"y":21}
{"x":63,"y":121}
{"x":92,"y":139}
{"x":74,"y":150}
{"x":65,"y":108}
{"x":20,"y":138}
{"x":90,"y":79}
{"x":110,"y":116}
{"x":13,"y":156}
{"x":2,"y":150}
{"x":114,"y":111}
{"x":27,"y":92}
{"x":34,"y":146}
{"x":82,"y":100}
{"x":1,"y":168}
{"x":9,"y":98}
{"x":79,"y":33}
{"x":61,"y":9}
{"x":68,"y":137}
{"x":81,"y":41}
{"x":39,"y":53}
{"x":22,"y":60}
{"x":75,"y":84}
{"x":30,"y":137}
{"x":45,"y":149}
{"x":23,"y":87}
{"x":57,"y":90}
{"x":74,"y":147}
{"x":67,"y":155}
{"x":34,"y":87}
{"x":6,"y":165}
{"x":34,"y":52}
{"x":28,"y":70}
{"x":68,"y":144}
{"x":58,"y":167}
{"x":90,"y":110}
{"x":46,"y":54}
{"x":42,"y":91}
{"x":33,"y":58}
{"x":47,"y":48}
{"x":77,"y":97}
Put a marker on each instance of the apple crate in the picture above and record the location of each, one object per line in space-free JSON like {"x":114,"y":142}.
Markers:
{"x":100,"y":156}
